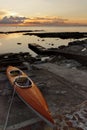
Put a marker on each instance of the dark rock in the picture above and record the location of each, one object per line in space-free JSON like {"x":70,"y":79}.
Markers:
{"x":19,"y":43}
{"x":62,"y":35}
{"x":62,"y":47}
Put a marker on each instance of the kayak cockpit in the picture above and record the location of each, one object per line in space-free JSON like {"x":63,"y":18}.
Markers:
{"x":15,"y":72}
{"x":23,"y":82}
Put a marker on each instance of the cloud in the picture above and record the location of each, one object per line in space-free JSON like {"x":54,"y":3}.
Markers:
{"x":3,"y":13}
{"x":38,"y":21}
{"x":12,"y":20}
{"x":46,"y":21}
{"x":53,"y":21}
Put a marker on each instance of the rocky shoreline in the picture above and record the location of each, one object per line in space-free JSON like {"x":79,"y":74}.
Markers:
{"x":76,"y":50}
{"x":62,"y":35}
{"x":62,"y":80}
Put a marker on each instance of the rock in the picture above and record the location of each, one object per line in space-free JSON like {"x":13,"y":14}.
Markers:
{"x":19,"y":43}
{"x":78,"y":117}
{"x":62,"y":47}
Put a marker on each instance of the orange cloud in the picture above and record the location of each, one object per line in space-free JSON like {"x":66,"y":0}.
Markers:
{"x":78,"y":21}
{"x":54,"y":21}
{"x":45,"y":21}
{"x":3,"y":13}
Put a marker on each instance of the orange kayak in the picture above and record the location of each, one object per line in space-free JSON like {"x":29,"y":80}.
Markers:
{"x":29,"y":93}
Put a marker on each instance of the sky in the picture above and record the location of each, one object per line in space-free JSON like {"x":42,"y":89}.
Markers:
{"x":43,"y":12}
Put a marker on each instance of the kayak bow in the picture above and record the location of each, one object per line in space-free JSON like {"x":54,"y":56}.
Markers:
{"x":29,"y":93}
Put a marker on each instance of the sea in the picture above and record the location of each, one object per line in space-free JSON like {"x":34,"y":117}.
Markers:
{"x":9,"y":42}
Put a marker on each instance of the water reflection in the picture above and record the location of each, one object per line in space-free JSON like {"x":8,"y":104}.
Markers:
{"x":9,"y":42}
{"x":10,"y":36}
{"x":0,"y":44}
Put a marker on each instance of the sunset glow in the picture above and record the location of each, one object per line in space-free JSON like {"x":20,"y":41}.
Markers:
{"x":43,"y":12}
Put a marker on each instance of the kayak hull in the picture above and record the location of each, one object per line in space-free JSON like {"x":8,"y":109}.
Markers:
{"x":31,"y":96}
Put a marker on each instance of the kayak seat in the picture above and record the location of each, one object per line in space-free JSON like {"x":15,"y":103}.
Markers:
{"x":15,"y":73}
{"x":23,"y":82}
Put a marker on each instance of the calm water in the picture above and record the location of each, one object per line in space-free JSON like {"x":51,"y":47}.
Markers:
{"x":8,"y":42}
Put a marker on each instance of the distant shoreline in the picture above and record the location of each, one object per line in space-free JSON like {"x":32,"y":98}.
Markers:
{"x":43,"y":34}
{"x":19,"y":31}
{"x":43,"y":28}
